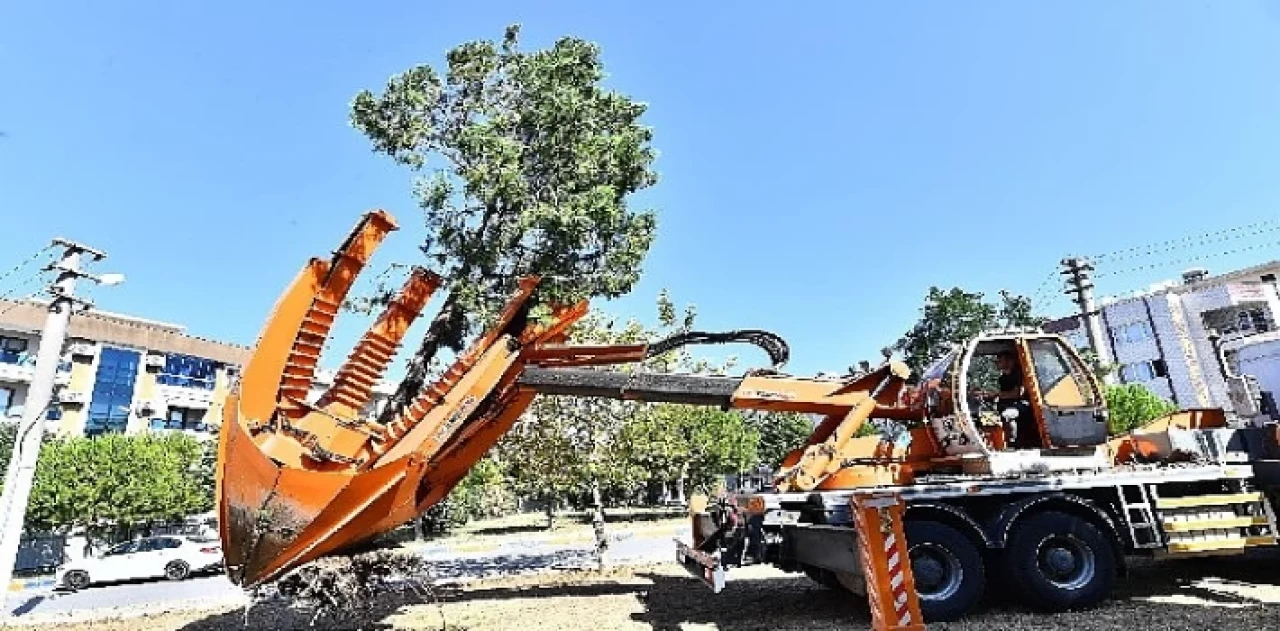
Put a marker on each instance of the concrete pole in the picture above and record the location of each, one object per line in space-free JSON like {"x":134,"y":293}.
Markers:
{"x":26,"y":449}
{"x":1080,"y":284}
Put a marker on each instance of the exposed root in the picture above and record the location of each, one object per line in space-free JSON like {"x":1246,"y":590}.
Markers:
{"x":354,"y":586}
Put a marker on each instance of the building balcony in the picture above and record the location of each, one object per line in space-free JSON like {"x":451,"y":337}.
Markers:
{"x":15,"y":372}
{"x":184,"y":396}
{"x":201,"y":431}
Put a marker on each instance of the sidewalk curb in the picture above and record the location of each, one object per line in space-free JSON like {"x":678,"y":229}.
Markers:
{"x":24,"y":584}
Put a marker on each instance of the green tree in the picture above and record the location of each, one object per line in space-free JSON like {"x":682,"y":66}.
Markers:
{"x":780,"y":433}
{"x":1132,"y":405}
{"x":689,"y":443}
{"x":120,"y":479}
{"x":569,"y":445}
{"x":955,"y":315}
{"x":526,"y":163}
{"x":8,"y":433}
{"x":482,"y":493}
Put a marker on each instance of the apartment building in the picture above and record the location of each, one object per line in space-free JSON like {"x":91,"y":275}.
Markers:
{"x":1163,"y":337}
{"x":119,"y":373}
{"x":124,"y":374}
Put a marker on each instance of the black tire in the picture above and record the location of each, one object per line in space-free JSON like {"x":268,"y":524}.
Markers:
{"x":949,"y":572}
{"x":823,"y":577}
{"x":76,"y":580}
{"x":1058,"y":562}
{"x":177,"y":570}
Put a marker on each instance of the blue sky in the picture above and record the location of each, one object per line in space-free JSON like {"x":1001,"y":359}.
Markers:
{"x":822,"y":165}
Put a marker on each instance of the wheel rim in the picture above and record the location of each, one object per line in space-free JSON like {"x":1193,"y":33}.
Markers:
{"x":77,"y":580}
{"x":938,"y":572}
{"x":1066,"y":562}
{"x":175,"y":571}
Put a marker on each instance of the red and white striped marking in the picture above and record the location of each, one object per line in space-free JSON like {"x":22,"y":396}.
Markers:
{"x":897,"y":581}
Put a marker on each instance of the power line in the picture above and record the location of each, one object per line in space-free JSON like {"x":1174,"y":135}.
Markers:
{"x":25,"y":262}
{"x":1186,"y":260}
{"x":39,"y":276}
{"x":1040,"y":291}
{"x":16,"y":303}
{"x":1259,"y":227}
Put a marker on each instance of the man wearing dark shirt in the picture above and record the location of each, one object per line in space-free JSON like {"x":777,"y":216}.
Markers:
{"x":1022,"y":432}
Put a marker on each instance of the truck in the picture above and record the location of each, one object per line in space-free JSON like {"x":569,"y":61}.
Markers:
{"x":995,"y":464}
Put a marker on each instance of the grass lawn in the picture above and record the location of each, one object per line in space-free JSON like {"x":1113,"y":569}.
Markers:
{"x":570,"y":526}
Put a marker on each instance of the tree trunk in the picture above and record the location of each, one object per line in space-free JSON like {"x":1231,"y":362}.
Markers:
{"x":680,"y":489}
{"x":551,"y":512}
{"x":445,"y":330}
{"x":597,"y":525}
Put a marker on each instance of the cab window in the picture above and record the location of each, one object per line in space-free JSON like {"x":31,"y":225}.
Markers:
{"x":1062,"y":381}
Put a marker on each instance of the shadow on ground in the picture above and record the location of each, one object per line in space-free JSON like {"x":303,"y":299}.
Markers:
{"x":507,"y":564}
{"x":1220,"y":594}
{"x":278,"y":616}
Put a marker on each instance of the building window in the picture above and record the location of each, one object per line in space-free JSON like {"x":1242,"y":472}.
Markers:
{"x":112,"y":391}
{"x":1255,"y":320}
{"x":1141,"y":372}
{"x":6,"y":400}
{"x":1239,"y":319}
{"x":181,"y":418}
{"x":13,"y":350}
{"x":188,"y":372}
{"x":1132,"y":332}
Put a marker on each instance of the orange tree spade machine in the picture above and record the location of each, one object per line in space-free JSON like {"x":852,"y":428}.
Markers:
{"x":919,"y":517}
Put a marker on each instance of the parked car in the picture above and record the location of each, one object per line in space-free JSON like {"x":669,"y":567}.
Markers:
{"x":172,"y":557}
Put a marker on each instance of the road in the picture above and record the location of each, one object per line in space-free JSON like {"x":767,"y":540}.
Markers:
{"x":46,"y":601}
{"x":513,"y":557}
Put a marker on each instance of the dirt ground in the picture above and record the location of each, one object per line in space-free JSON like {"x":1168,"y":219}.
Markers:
{"x":1208,"y":594}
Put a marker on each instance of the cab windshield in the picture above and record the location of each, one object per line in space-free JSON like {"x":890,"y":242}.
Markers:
{"x":939,"y":368}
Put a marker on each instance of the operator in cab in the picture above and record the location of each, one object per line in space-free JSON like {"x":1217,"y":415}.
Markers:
{"x":1020,"y":432}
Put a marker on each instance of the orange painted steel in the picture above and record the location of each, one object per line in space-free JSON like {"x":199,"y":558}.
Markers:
{"x":298,"y":479}
{"x":303,"y":474}
{"x":882,"y":548}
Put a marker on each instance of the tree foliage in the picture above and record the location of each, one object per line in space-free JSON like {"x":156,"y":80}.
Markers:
{"x":1132,"y":405}
{"x":780,"y":433}
{"x":482,"y":493}
{"x":694,"y":443}
{"x":119,"y":479}
{"x":8,"y":434}
{"x":950,"y":317}
{"x":526,"y":163}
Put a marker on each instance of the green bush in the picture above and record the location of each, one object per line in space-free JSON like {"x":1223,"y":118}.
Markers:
{"x":120,"y":479}
{"x":1133,"y":405}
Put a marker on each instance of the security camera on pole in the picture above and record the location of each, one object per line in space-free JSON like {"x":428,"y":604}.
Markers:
{"x":26,"y":449}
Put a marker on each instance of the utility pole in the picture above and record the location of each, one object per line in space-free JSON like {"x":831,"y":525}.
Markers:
{"x":1079,"y":273}
{"x":26,"y":449}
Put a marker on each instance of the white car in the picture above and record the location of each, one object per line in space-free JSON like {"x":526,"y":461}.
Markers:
{"x":171,"y":557}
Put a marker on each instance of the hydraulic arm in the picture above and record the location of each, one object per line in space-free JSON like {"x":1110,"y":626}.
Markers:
{"x":301,"y":476}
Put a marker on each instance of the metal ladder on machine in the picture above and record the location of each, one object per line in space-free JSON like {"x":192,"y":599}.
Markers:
{"x":1139,"y":516}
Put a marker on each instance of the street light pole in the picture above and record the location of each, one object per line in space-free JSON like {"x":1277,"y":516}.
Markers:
{"x":26,"y":448}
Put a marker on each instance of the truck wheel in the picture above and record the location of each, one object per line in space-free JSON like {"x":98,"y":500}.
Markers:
{"x":948,"y":570}
{"x":1058,"y":562}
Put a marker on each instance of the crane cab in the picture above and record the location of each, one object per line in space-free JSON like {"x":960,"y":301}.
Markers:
{"x":1014,"y":392}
